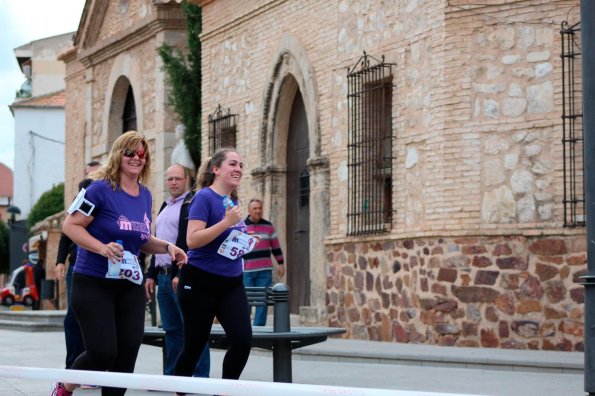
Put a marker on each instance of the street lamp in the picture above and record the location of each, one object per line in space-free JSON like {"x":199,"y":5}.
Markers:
{"x":14,"y":211}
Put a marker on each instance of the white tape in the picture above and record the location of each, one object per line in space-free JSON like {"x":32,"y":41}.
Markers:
{"x":196,"y":385}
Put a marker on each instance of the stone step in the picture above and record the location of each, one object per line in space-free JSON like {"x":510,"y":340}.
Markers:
{"x":21,"y":325}
{"x":41,"y":317}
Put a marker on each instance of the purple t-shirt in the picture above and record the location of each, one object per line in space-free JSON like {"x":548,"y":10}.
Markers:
{"x":207,"y":206}
{"x":117,"y":216}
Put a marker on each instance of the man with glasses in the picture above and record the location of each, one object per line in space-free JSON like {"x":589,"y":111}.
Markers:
{"x":171,"y":225}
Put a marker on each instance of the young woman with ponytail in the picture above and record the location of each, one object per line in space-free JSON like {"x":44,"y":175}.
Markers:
{"x":211,"y":285}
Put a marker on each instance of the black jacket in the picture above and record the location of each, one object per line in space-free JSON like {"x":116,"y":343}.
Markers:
{"x":180,"y":241}
{"x":66,"y":248}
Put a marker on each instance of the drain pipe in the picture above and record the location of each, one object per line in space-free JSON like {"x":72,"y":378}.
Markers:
{"x":588,"y":58}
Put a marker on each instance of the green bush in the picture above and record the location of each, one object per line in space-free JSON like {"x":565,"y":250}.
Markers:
{"x":4,"y":248}
{"x":50,"y":202}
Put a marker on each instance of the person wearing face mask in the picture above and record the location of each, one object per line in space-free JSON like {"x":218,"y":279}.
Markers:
{"x":111,"y":224}
{"x":211,"y":283}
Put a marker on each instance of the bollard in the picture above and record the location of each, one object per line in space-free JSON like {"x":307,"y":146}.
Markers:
{"x":282,"y":349}
{"x":280,"y":297}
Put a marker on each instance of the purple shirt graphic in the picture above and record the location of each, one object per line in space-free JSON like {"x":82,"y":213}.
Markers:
{"x":118,"y":216}
{"x":207,"y":206}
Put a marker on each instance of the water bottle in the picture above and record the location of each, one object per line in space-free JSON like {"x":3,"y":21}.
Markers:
{"x":113,"y":269}
{"x":227,"y":202}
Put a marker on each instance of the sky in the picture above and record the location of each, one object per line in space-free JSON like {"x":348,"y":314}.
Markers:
{"x":23,"y":21}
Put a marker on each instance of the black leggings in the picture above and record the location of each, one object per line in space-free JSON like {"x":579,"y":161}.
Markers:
{"x":204,"y":296}
{"x":111,"y":315}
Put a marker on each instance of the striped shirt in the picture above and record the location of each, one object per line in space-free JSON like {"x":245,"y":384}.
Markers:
{"x":260,"y":258}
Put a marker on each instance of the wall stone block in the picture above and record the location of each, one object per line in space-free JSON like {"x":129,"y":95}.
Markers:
{"x":516,"y":263}
{"x":526,"y":328}
{"x":578,"y":295}
{"x":481,"y":261}
{"x":475,"y":294}
{"x":447,"y":275}
{"x":486,"y":277}
{"x":548,"y":247}
{"x":545,"y":272}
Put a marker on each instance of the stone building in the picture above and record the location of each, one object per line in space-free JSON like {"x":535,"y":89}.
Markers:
{"x":114,"y":82}
{"x":418,"y":189}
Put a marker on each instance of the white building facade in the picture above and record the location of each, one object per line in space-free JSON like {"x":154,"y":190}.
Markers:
{"x":39,"y":120}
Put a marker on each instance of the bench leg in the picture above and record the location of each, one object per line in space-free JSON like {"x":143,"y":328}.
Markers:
{"x":282,"y":362}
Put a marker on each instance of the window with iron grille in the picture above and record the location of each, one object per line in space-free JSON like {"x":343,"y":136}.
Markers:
{"x":222,"y":129}
{"x":572,"y":126}
{"x":370,"y":146}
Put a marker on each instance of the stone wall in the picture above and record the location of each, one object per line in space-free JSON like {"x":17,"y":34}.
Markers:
{"x":518,"y":292}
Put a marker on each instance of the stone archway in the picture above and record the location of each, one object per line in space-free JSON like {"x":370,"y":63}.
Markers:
{"x":124,"y":75}
{"x":291,"y":72}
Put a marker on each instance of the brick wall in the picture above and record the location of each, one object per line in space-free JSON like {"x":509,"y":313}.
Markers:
{"x":477,"y":255}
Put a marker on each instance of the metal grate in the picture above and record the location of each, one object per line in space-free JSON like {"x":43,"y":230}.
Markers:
{"x":370,"y":146}
{"x":222,"y":129}
{"x":572,"y":126}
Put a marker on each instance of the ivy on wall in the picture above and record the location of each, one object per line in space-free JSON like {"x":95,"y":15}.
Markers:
{"x":184,"y":76}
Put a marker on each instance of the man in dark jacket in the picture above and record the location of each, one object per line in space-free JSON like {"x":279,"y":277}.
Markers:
{"x":171,"y":225}
{"x":67,"y":252}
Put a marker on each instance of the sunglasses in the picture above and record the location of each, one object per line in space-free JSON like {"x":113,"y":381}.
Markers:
{"x":131,"y":153}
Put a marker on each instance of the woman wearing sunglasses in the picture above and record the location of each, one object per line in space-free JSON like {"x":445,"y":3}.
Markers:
{"x":111,"y":223}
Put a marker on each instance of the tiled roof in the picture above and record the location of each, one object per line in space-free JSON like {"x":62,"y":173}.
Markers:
{"x":6,"y":180}
{"x":54,"y":99}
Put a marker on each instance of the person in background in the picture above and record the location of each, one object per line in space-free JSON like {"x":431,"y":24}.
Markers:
{"x":111,"y":223}
{"x":67,"y":251}
{"x":211,"y":284}
{"x":258,"y":266}
{"x":171,"y":225}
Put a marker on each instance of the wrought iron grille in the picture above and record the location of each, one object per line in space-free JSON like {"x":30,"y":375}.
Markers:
{"x":222,"y":129}
{"x":572,"y":126}
{"x":370,"y":146}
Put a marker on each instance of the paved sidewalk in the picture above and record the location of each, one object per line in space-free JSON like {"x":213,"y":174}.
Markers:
{"x":427,"y":355}
{"x":345,"y":363}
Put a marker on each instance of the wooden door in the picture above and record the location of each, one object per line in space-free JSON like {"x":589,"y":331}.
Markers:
{"x":298,"y":211}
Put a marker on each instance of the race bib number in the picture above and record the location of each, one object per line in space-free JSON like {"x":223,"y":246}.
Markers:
{"x":236,"y":245}
{"x":128,"y":268}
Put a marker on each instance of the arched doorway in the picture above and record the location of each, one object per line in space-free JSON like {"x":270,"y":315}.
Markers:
{"x":298,"y":206}
{"x":122,"y":115}
{"x":291,"y":120}
{"x":129,"y":114}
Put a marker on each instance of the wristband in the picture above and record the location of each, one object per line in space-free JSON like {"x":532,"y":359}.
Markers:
{"x":166,"y":247}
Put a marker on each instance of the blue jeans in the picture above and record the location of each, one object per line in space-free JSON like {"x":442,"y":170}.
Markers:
{"x":171,"y":320}
{"x":72,"y":332}
{"x":262,"y":278}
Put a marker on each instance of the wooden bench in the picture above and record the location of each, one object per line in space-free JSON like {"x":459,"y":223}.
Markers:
{"x":279,"y":338}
